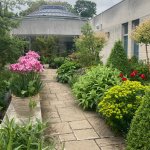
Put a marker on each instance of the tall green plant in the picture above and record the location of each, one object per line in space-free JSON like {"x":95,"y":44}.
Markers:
{"x":118,"y":58}
{"x":88,"y":46}
{"x":27,"y":136}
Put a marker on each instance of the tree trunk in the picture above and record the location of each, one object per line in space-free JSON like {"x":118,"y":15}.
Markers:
{"x":147,"y":57}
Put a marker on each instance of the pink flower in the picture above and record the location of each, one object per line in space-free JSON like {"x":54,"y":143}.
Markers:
{"x":33,"y":54}
{"x":28,"y":63}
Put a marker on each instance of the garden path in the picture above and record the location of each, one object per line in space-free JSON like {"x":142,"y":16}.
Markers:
{"x":77,"y":129}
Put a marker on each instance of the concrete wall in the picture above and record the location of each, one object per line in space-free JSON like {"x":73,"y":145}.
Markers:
{"x":49,"y":26}
{"x":112,"y":19}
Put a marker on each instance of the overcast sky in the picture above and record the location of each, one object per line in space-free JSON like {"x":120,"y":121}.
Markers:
{"x":101,"y":4}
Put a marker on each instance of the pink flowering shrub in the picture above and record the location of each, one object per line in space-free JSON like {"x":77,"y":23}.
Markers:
{"x":26,"y":79}
{"x":28,"y":63}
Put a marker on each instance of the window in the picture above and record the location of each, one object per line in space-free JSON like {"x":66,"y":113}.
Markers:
{"x":125,"y":36}
{"x":135,"y":45}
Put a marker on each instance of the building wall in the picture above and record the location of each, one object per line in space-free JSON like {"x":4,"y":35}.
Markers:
{"x":111,"y":20}
{"x":49,"y":26}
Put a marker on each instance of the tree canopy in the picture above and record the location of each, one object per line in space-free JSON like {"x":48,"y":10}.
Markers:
{"x":141,"y":34}
{"x":10,"y":47}
{"x":85,"y":8}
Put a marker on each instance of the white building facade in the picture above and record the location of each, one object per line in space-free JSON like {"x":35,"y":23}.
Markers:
{"x":118,"y":22}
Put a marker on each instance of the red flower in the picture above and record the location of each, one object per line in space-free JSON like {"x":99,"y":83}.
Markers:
{"x":135,"y":71}
{"x":142,"y":76}
{"x":121,"y":75}
{"x":133,"y":74}
{"x":124,"y":79}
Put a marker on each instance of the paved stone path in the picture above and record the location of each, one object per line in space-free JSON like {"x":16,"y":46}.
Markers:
{"x":77,"y":129}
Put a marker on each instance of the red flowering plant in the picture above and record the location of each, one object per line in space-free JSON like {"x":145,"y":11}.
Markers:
{"x":123,"y":78}
{"x":133,"y":76}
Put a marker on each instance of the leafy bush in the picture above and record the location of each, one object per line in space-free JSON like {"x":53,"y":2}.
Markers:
{"x":88,"y":46}
{"x":118,"y":58}
{"x":66,"y":71}
{"x":76,"y":75}
{"x":138,"y":137}
{"x":23,"y":137}
{"x":120,"y":103}
{"x":91,"y":86}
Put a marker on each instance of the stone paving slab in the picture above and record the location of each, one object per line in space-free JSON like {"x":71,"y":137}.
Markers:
{"x":75,"y":129}
{"x":81,"y":145}
{"x":85,"y":134}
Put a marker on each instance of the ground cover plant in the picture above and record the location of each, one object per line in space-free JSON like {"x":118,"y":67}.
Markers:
{"x":119,"y":104}
{"x":138,"y":137}
{"x":27,"y":136}
{"x":91,"y":86}
{"x":66,"y":71}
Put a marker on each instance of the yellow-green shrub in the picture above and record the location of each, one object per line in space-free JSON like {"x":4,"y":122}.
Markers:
{"x":120,"y":103}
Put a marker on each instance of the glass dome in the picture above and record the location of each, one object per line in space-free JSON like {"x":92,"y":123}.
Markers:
{"x":53,"y":11}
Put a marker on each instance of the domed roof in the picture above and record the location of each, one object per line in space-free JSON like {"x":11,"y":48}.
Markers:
{"x":53,"y":11}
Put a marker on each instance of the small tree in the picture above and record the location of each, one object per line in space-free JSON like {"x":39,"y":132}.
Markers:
{"x":141,"y":34}
{"x":118,"y":58}
{"x":88,"y":46}
{"x":138,"y":137}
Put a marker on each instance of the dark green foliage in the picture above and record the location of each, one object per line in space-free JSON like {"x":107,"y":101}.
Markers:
{"x":138,"y":137}
{"x":25,"y":85}
{"x":90,"y":87}
{"x":10,"y":47}
{"x":66,"y":71}
{"x":27,"y":136}
{"x":85,"y":8}
{"x":118,"y":58}
{"x":4,"y":87}
{"x":57,"y":62}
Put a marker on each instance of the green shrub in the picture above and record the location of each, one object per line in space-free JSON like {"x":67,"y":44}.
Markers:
{"x":66,"y":71}
{"x":91,"y":86}
{"x":26,"y":136}
{"x":118,"y":58}
{"x":138,"y":137}
{"x":120,"y":103}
